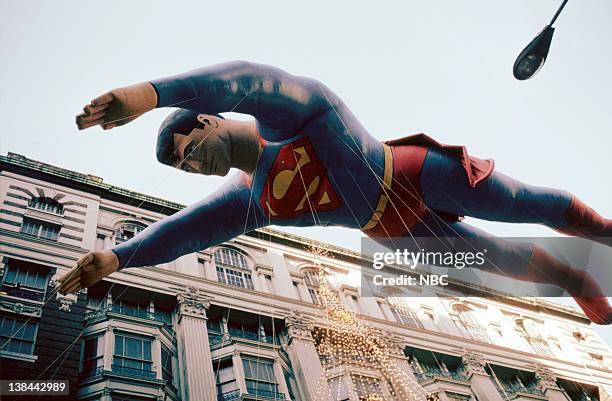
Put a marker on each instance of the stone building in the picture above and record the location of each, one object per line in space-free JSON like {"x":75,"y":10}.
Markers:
{"x":235,"y":322}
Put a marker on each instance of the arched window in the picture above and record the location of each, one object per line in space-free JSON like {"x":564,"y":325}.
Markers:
{"x":127,"y":231}
{"x":48,"y":205}
{"x":401,"y":309}
{"x":471,"y":324}
{"x":232,"y":268}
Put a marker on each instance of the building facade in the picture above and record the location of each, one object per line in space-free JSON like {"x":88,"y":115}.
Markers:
{"x":237,"y":321}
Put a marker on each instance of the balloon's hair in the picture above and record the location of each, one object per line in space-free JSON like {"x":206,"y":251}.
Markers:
{"x":181,"y":122}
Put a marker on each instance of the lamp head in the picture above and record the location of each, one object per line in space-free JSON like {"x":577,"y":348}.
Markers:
{"x":533,"y":56}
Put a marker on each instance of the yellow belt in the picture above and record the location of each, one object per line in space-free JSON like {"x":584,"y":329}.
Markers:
{"x":384,"y":197}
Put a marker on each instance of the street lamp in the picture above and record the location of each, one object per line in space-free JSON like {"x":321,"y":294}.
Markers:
{"x":532,"y":58}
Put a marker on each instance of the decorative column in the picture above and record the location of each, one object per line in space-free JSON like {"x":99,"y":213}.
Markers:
{"x":304,"y":358}
{"x":198,"y":378}
{"x":239,"y":372}
{"x":480,"y":382}
{"x":547,"y":382}
{"x":405,"y":384}
{"x":156,"y":354}
{"x":109,"y":343}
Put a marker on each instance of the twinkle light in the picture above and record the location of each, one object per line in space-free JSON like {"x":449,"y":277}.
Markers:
{"x":346,"y":340}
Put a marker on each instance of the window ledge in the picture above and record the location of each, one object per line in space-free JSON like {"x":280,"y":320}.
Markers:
{"x":21,"y":357}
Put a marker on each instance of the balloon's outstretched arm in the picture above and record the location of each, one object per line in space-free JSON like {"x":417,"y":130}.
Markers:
{"x":211,"y":221}
{"x":275,"y":97}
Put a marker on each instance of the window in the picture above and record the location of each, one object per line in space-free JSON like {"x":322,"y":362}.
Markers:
{"x":259,"y":377}
{"x":366,"y":387}
{"x":25,"y":281}
{"x":353,"y":303}
{"x":48,"y":205}
{"x":338,"y":388}
{"x":234,"y":277}
{"x":230,"y":257}
{"x":311,"y":279}
{"x":470,"y":323}
{"x":290,"y":384}
{"x":131,"y":309}
{"x":127,"y":231}
{"x":401,"y":309}
{"x":133,"y":356}
{"x":229,"y":263}
{"x":296,"y":289}
{"x":17,"y":335}
{"x":227,"y":387}
{"x":93,"y":355}
{"x":40,"y":229}
{"x":167,"y":361}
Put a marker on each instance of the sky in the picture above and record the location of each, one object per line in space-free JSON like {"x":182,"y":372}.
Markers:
{"x":439,"y":67}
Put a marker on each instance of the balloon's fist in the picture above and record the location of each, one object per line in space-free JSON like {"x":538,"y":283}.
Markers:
{"x":89,"y":269}
{"x":118,"y":106}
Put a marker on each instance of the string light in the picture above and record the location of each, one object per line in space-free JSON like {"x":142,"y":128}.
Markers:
{"x":346,"y":340}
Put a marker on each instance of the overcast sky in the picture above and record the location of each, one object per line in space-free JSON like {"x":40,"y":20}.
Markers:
{"x":440,"y":67}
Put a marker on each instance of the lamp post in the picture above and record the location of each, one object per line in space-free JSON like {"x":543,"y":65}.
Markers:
{"x":533,"y":56}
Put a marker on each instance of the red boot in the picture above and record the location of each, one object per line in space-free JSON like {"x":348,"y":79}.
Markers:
{"x":545,"y":268}
{"x":582,"y":221}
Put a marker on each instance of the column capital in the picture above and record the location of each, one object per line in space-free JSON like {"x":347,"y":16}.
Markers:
{"x":299,"y":326}
{"x":474,"y":362}
{"x":396,"y":345}
{"x":546,"y":378}
{"x":192,"y":303}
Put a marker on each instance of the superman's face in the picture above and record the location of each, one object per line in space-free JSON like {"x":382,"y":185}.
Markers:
{"x":205,"y":150}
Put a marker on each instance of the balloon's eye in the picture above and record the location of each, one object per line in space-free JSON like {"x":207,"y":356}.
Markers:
{"x":189,"y":150}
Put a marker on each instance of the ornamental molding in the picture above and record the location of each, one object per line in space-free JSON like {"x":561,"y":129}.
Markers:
{"x":19,"y":308}
{"x":396,"y":345}
{"x":191,"y":302}
{"x":474,"y":362}
{"x":546,"y":378}
{"x":299,"y":326}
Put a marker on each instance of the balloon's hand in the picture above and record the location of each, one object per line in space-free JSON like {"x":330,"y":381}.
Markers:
{"x":89,"y":269}
{"x":118,"y":107}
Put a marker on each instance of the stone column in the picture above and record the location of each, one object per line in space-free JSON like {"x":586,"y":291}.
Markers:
{"x":109,"y":344}
{"x":548,"y":384}
{"x":404,"y":382}
{"x":156,"y":355}
{"x":309,"y":375}
{"x":197,"y":374}
{"x":480,"y":382}
{"x":239,"y":372}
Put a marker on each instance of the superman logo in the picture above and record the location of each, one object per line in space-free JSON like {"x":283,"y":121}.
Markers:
{"x":297,"y":183}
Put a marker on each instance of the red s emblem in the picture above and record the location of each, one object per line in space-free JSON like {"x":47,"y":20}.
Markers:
{"x":297,"y":183}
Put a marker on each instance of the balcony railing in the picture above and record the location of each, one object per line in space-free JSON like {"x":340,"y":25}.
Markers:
{"x":139,"y":313}
{"x":510,"y":390}
{"x":124,"y":370}
{"x":25,"y":293}
{"x":439,"y":373}
{"x":229,"y":396}
{"x":349,"y":358}
{"x":259,"y":393}
{"x":216,"y":339}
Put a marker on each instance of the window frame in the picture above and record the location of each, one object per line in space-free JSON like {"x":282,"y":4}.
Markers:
{"x":6,"y":340}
